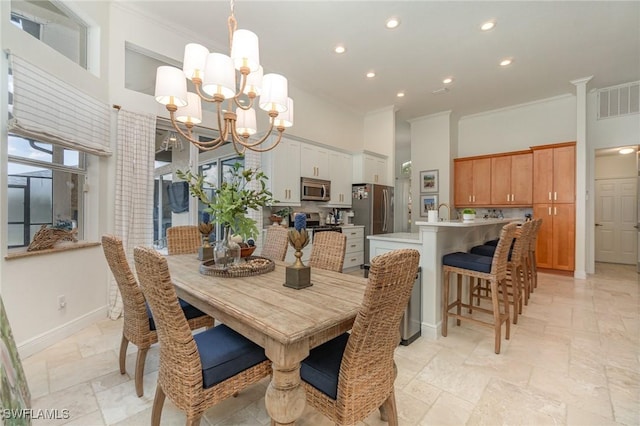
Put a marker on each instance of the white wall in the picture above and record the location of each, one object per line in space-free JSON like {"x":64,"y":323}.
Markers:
{"x":379,"y":135}
{"x":615,"y":167}
{"x":431,"y":150}
{"x":518,"y":127}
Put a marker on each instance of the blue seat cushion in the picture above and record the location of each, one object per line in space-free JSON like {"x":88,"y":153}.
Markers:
{"x":190,"y":312}
{"x":492,"y":242}
{"x":473,"y":262}
{"x":486,"y":250}
{"x":322,"y":367}
{"x":225,"y":353}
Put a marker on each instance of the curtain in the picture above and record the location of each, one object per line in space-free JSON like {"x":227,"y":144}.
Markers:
{"x":48,"y":109}
{"x":134,"y":189}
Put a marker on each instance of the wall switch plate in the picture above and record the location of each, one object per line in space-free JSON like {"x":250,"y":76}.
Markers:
{"x":62,"y":302}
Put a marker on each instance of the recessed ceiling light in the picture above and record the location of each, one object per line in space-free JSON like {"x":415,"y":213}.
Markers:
{"x":489,"y":25}
{"x":506,"y":62}
{"x":400,"y":94}
{"x":340,"y":49}
{"x":392,"y":23}
{"x":447,"y":80}
{"x":626,"y":150}
{"x":371,"y":74}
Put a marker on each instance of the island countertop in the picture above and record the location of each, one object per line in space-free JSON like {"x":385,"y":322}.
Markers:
{"x":475,"y":222}
{"x":401,"y":237}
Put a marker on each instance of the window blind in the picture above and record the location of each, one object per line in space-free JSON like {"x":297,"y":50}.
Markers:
{"x":48,"y":109}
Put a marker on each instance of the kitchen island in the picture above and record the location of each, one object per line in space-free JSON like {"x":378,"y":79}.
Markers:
{"x":433,"y":240}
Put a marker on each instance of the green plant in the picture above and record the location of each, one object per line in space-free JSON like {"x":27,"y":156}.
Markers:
{"x":468,"y":211}
{"x":285,"y":211}
{"x":228,"y":203}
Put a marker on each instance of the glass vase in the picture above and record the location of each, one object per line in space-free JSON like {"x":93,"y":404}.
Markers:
{"x":226,"y":252}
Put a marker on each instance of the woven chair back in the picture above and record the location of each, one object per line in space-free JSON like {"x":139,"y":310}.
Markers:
{"x":136,"y":321}
{"x":275,"y":243}
{"x":367,"y":371}
{"x":537,"y":223}
{"x":180,"y":372}
{"x":499,"y":263}
{"x":183,"y":239}
{"x":328,"y":251}
{"x":521,"y":246}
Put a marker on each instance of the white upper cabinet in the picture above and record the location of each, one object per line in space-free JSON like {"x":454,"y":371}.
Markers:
{"x":368,"y":168}
{"x":314,"y":162}
{"x":282,"y":166}
{"x":340,"y":172}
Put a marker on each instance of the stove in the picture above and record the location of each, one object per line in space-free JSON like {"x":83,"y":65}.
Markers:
{"x":313,"y":223}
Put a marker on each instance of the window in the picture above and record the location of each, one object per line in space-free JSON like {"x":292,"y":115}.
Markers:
{"x":44,"y":188}
{"x":54,"y":25}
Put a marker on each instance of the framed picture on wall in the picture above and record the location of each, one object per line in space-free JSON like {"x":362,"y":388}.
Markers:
{"x":428,"y":181}
{"x":428,"y":202}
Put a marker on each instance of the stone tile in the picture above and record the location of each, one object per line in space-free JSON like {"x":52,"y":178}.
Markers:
{"x":92,"y":419}
{"x":505,"y":403}
{"x":37,"y":376}
{"x":82,"y":370}
{"x":79,"y":400}
{"x":120,"y":402}
{"x":225,"y":409}
{"x":447,"y":410}
{"x":578,"y":416}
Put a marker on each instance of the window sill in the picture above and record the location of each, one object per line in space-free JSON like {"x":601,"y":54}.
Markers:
{"x":65,"y":246}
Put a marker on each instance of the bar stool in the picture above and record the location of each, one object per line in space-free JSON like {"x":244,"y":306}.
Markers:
{"x":533,"y":264}
{"x":493,"y":270}
{"x":517,"y":269}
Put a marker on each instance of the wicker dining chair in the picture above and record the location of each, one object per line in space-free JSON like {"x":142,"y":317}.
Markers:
{"x":139,"y":326}
{"x":275,"y":243}
{"x":349,"y":377}
{"x":491,"y":269}
{"x":196,"y":371}
{"x":183,"y":239}
{"x":328,"y":251}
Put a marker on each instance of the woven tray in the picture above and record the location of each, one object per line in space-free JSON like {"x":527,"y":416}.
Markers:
{"x":254,"y":265}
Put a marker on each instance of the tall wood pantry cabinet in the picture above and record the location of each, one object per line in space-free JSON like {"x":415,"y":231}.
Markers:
{"x":554,"y":196}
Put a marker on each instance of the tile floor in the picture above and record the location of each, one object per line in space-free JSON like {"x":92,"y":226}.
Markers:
{"x":573,"y":359}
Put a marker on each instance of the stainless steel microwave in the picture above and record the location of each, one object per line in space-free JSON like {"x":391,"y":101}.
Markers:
{"x":315,"y":189}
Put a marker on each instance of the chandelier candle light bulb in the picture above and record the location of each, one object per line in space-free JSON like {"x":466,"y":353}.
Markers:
{"x":214,"y":78}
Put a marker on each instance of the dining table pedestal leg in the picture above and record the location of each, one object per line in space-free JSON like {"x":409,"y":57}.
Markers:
{"x":285,"y":398}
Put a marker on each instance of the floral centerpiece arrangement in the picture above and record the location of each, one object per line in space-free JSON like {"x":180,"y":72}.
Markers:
{"x":228,"y":203}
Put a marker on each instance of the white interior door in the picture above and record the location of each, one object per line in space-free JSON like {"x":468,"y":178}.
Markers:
{"x":615,"y":219}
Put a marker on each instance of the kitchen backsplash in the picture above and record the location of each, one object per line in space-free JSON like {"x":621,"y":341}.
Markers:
{"x":515,"y":213}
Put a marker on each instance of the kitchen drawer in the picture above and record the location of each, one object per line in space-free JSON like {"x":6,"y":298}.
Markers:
{"x":353,"y":233}
{"x":354,"y":245}
{"x":353,"y":260}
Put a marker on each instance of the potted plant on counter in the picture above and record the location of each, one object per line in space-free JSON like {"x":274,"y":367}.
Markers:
{"x":468,"y":215}
{"x":277,"y":217}
{"x":228,"y":204}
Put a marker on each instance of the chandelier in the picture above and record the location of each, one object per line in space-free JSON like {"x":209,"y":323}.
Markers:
{"x":171,"y":142}
{"x":214,"y":77}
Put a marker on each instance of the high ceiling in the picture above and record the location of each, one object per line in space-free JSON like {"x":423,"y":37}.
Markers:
{"x":551,"y":44}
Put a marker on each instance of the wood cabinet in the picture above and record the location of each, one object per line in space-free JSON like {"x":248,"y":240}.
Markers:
{"x":368,"y":168}
{"x":555,"y":247}
{"x":314,"y":161}
{"x":512,"y":179}
{"x":472,"y":182}
{"x":554,"y":171}
{"x":340,"y":172}
{"x":282,"y":166}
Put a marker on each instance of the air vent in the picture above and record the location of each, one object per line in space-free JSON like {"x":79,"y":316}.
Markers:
{"x":619,"y":100}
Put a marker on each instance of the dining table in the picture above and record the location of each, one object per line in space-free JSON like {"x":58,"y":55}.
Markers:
{"x":286,"y":322}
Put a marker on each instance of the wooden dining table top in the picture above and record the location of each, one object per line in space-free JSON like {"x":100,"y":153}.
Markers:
{"x":261,"y":308}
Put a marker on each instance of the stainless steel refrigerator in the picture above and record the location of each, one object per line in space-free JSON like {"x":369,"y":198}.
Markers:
{"x":372,"y":206}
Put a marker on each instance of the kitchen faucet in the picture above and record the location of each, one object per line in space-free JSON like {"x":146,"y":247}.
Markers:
{"x":448,"y":210}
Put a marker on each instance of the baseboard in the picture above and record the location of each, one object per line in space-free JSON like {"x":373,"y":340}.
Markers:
{"x":53,"y":336}
{"x":430,"y":331}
